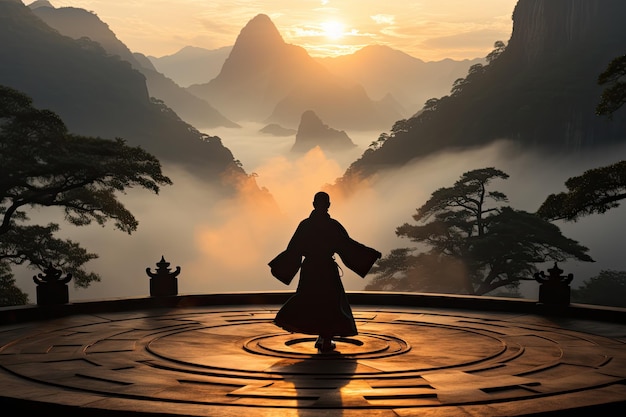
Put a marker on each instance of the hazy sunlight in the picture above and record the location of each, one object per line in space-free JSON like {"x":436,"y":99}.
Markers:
{"x":333,"y":29}
{"x":429,"y":29}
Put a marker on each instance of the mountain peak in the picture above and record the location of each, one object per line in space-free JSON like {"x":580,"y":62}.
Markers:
{"x":40,"y":3}
{"x":259,"y":49}
{"x":265,"y":79}
{"x":260,"y":19}
{"x":259,"y":32}
{"x":258,"y":46}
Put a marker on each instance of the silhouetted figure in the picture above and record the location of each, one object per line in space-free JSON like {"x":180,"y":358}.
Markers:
{"x":320,"y":306}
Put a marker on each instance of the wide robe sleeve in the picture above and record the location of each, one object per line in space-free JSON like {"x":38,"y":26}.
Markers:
{"x":358,"y":257}
{"x":285,"y":266}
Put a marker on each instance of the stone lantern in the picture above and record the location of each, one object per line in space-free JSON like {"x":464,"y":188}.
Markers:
{"x":554,"y":289}
{"x":163,"y":282}
{"x":51,"y":288}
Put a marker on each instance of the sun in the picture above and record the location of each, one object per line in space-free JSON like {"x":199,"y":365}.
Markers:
{"x":333,"y":29}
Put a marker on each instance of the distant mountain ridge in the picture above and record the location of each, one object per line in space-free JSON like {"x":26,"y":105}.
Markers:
{"x":385,"y":71}
{"x":390,"y":77}
{"x":540,"y":91}
{"x":78,"y":23}
{"x":267,"y":80}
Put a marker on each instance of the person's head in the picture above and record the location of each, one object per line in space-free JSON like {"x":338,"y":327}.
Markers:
{"x":321,"y":201}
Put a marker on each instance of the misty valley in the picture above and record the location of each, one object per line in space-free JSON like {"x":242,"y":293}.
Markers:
{"x":224,"y":244}
{"x":238,"y":192}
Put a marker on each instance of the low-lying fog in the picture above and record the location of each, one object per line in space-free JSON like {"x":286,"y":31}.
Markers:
{"x":224,"y":245}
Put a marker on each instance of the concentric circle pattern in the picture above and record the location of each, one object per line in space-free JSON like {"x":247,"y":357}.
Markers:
{"x":365,"y":345}
{"x":197,"y":361}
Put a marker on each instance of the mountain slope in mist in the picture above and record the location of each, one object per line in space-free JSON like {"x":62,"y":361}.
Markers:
{"x":192,"y":65}
{"x":78,"y":23}
{"x":96,"y":94}
{"x":386,"y":71}
{"x":541,"y":91}
{"x":267,"y":80}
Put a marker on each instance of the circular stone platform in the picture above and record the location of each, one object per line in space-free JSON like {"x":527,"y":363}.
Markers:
{"x":232,"y":361}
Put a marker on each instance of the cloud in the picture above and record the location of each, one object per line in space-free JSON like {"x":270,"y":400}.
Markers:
{"x":223,"y":243}
{"x":383,"y":19}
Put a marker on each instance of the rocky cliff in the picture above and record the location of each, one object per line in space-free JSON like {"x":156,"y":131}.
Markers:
{"x":540,"y":91}
{"x":546,"y":26}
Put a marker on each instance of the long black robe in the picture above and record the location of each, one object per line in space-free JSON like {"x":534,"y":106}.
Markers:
{"x":320,"y":305}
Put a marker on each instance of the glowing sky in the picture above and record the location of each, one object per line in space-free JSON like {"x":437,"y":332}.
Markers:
{"x":427,"y":29}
